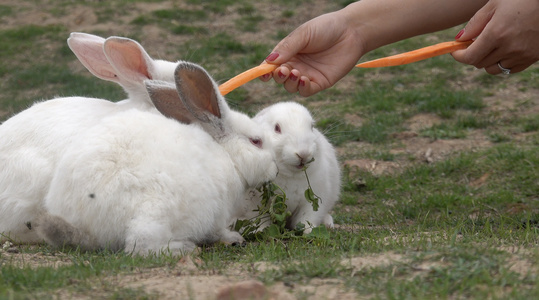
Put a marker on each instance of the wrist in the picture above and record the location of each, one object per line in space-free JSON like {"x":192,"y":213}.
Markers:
{"x":359,"y":28}
{"x":373,"y":23}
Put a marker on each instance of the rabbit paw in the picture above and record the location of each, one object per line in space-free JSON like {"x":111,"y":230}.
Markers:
{"x":328,"y":221}
{"x":181,"y":248}
{"x":231,"y":238}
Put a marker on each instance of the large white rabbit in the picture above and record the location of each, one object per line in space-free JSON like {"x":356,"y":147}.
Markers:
{"x":33,"y":141}
{"x":146,"y":183}
{"x":296,"y":142}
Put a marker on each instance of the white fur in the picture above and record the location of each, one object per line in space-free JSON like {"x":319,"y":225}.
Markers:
{"x":145,"y":183}
{"x":33,"y":141}
{"x":297,"y":144}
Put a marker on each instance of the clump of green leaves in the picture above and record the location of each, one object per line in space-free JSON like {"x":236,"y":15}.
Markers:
{"x":273,"y":210}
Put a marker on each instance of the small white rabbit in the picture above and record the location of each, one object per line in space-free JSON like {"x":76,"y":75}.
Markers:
{"x":296,"y":142}
{"x":33,"y":141}
{"x":146,"y":183}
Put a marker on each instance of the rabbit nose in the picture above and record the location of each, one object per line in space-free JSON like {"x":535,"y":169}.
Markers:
{"x":304,"y":156}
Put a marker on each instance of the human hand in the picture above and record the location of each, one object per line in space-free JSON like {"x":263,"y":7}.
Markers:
{"x":506,"y":32}
{"x":316,"y":55}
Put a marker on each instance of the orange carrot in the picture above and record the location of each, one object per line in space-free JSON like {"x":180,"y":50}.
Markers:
{"x":416,"y":55}
{"x":245,"y":77}
{"x":395,"y":60}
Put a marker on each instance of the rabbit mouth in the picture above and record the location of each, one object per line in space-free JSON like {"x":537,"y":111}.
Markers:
{"x":303,"y":165}
{"x":291,"y":168}
{"x":304,"y":161}
{"x":295,"y":164}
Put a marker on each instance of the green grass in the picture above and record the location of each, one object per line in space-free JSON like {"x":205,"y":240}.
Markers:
{"x":81,"y":268}
{"x":457,"y":129}
{"x":530,"y":124}
{"x":5,"y":10}
{"x":459,"y":227}
{"x":462,"y":272}
{"x":24,"y":38}
{"x":249,"y":20}
{"x":337,"y":131}
{"x":167,"y":17}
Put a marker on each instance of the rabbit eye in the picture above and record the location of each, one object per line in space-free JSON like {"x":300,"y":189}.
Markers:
{"x":256,"y":141}
{"x":277,"y":128}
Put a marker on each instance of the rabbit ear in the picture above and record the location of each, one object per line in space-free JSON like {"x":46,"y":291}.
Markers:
{"x":196,"y":99}
{"x":200,"y":95}
{"x":130,"y":61}
{"x":167,"y":101}
{"x":89,"y":50}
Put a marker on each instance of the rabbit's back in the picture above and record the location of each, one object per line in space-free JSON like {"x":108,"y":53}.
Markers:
{"x":144,"y":166}
{"x":33,"y":142}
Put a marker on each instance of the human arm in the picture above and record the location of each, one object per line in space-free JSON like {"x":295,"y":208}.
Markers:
{"x":323,"y":50}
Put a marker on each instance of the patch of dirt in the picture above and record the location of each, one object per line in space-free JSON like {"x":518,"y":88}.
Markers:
{"x":411,"y":149}
{"x":11,"y":255}
{"x":521,"y":260}
{"x":372,"y":261}
{"x":186,"y":281}
{"x":376,"y":167}
{"x":432,"y":151}
{"x":422,"y":121}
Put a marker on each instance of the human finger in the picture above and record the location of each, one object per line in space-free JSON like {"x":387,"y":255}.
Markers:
{"x":292,"y":83}
{"x":476,"y":24}
{"x":266,"y":77}
{"x":289,"y":46}
{"x":307,"y":87}
{"x":281,"y":74}
{"x":498,"y":68}
{"x":476,"y":52}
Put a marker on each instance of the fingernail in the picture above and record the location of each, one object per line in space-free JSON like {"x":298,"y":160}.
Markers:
{"x":266,"y":76}
{"x":273,"y":56}
{"x":461,"y":32}
{"x":281,"y":75}
{"x":302,"y":82}
{"x":293,"y":77}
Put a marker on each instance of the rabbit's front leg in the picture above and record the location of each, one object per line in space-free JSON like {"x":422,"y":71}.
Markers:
{"x":308,"y":217}
{"x":154,"y":237}
{"x":181,"y":247}
{"x":328,"y":221}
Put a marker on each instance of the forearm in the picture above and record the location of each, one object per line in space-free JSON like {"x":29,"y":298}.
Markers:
{"x":381,"y":22}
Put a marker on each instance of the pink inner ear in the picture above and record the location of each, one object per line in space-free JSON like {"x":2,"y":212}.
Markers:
{"x":199,"y":89}
{"x":129,"y":59}
{"x":168,"y":103}
{"x":90,"y":54}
